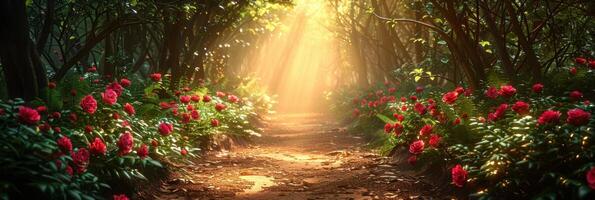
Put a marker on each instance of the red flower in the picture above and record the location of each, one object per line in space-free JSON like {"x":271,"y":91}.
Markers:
{"x":73,"y":117}
{"x":388,"y":128}
{"x":51,"y":85}
{"x":214,"y":122}
{"x":592,"y":64}
{"x":155,"y":77}
{"x":184,"y":152}
{"x":416,"y":147}
{"x":41,"y":109}
{"x":457,"y":121}
{"x":507,"y":91}
{"x":355,"y":112}
{"x":97,"y":147}
{"x":28,"y":116}
{"x":220,"y":107}
{"x":129,"y":109}
{"x":412,"y":159}
{"x":69,"y":170}
{"x":57,"y":129}
{"x":580,"y":60}
{"x":420,"y":108}
{"x":185,"y":99}
{"x":537,"y":87}
{"x":590,"y":176}
{"x":190,"y":107}
{"x":459,"y":90}
{"x":115,"y":115}
{"x":109,"y":97}
{"x":177,"y":92}
{"x":398,"y":129}
{"x":450,"y":97}
{"x":45,"y":127}
{"x":459,"y":176}
{"x":116,"y":87}
{"x":578,"y":117}
{"x":125,"y":82}
{"x":549,"y":117}
{"x":206,"y":98}
{"x":425,"y":130}
{"x":413,"y":98}
{"x":165,"y":129}
{"x":142,"y":151}
{"x":399,"y":117}
{"x":491,"y":93}
{"x":392,"y":90}
{"x":185,"y":118}
{"x":120,"y":197}
{"x":233,"y":99}
{"x":220,"y":94}
{"x":154,"y":143}
{"x":164,"y":105}
{"x":125,"y":143}
{"x":92,"y":69}
{"x":56,"y":115}
{"x":195,"y":114}
{"x":195,"y":98}
{"x":419,"y":89}
{"x":576,"y":95}
{"x":572,"y":71}
{"x":435,"y":140}
{"x":521,"y":108}
{"x":403,"y":99}
{"x":80,"y":159}
{"x":499,"y":113}
{"x":89,"y":104}
{"x":64,"y":144}
{"x":404,"y":108}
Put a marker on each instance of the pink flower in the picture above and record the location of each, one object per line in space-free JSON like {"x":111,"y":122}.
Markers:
{"x":165,"y":128}
{"x":507,"y":91}
{"x":549,"y":117}
{"x":392,"y":90}
{"x":125,"y":82}
{"x":214,"y":122}
{"x":521,"y":108}
{"x":156,"y":77}
{"x":142,"y":151}
{"x":425,"y":130}
{"x":64,"y":144}
{"x":450,"y":97}
{"x":206,"y":98}
{"x":220,"y":107}
{"x":578,"y":117}
{"x":97,"y":147}
{"x":185,"y":99}
{"x":459,"y":176}
{"x":129,"y":109}
{"x":116,"y":87}
{"x":80,"y":159}
{"x":89,"y":104}
{"x":125,"y":143}
{"x":28,"y":116}
{"x":435,"y":140}
{"x":416,"y":147}
{"x":537,"y":87}
{"x":590,"y":176}
{"x":491,"y":93}
{"x":576,"y":95}
{"x":109,"y":97}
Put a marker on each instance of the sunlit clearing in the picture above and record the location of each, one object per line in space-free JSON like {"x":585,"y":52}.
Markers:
{"x":295,"y":63}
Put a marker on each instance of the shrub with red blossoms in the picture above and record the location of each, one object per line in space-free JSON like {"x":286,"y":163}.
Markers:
{"x":97,"y":147}
{"x":116,"y":87}
{"x":416,"y":147}
{"x":195,"y":98}
{"x":491,"y":93}
{"x":214,"y":122}
{"x":420,"y":108}
{"x":435,"y":140}
{"x":28,"y":116}
{"x":89,"y":104}
{"x":155,"y":77}
{"x":398,"y":129}
{"x":165,"y":128}
{"x":425,"y":130}
{"x":537,"y":88}
{"x":450,"y":97}
{"x":185,"y":99}
{"x":125,"y":82}
{"x":109,"y":97}
{"x":120,"y":197}
{"x":388,"y":128}
{"x":549,"y":117}
{"x":578,"y":117}
{"x":499,"y":113}
{"x":142,"y":151}
{"x":576,"y":95}
{"x":125,"y":143}
{"x":521,"y":108}
{"x":590,"y":176}
{"x":507,"y":91}
{"x":220,"y":107}
{"x":206,"y":98}
{"x":64,"y":144}
{"x":129,"y":109}
{"x":459,"y":176}
{"x":80,"y":160}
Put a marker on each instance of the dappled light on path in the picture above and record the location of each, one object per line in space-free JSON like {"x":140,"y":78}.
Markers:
{"x":295,"y":63}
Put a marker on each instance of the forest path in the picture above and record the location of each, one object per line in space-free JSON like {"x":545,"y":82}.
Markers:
{"x":299,"y":156}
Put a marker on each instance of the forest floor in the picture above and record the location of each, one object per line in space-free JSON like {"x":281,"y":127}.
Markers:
{"x":299,"y":156}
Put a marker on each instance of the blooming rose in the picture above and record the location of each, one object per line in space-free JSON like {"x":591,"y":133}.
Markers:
{"x":89,"y":104}
{"x":457,"y":121}
{"x":520,"y":107}
{"x":109,"y":97}
{"x":388,"y":128}
{"x":56,"y":115}
{"x":590,"y":176}
{"x":576,"y":95}
{"x":425,"y":130}
{"x":420,"y":108}
{"x":206,"y":98}
{"x":592,"y":64}
{"x":578,"y":117}
{"x":155,"y":77}
{"x":491,"y":93}
{"x":185,"y":118}
{"x":28,"y":115}
{"x":399,"y":117}
{"x":80,"y":159}
{"x":580,"y":60}
{"x":129,"y":109}
{"x":97,"y":147}
{"x":450,"y":97}
{"x":413,"y":98}
{"x":185,"y":99}
{"x":142,"y":151}
{"x":507,"y":91}
{"x":214,"y":122}
{"x":572,"y":71}
{"x":125,"y":143}
{"x":165,"y":128}
{"x":403,"y":99}
{"x":120,"y":197}
{"x":183,"y":152}
{"x":93,"y":68}
{"x":195,"y":114}
{"x":392,"y":90}
{"x":125,"y":82}
{"x":219,"y":107}
{"x":73,"y":117}
{"x":51,"y":85}
{"x":435,"y":140}
{"x":416,"y":147}
{"x":549,"y":117}
{"x":233,"y":98}
{"x":116,"y":87}
{"x":64,"y":144}
{"x":499,"y":113}
{"x":398,"y":129}
{"x":41,"y":109}
{"x":195,"y":98}
{"x":220,"y":94}
{"x":459,"y":176}
{"x":537,"y":87}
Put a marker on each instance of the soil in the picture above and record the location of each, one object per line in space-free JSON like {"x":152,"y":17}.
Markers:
{"x":299,"y":156}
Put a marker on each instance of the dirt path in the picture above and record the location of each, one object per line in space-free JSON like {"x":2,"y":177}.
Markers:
{"x":304,"y":156}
